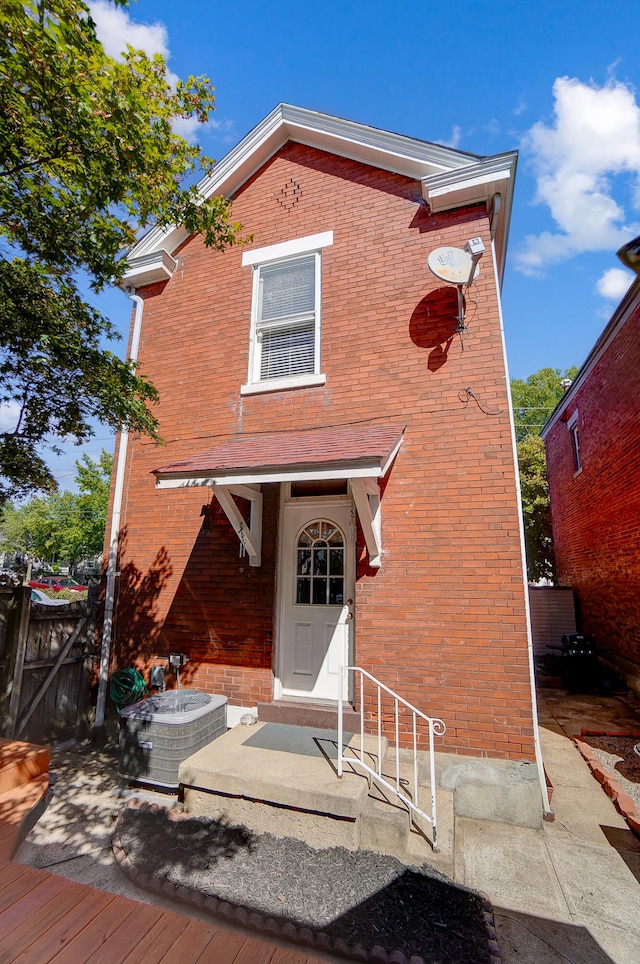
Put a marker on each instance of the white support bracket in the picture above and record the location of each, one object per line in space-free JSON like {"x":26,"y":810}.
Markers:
{"x":366,"y":495}
{"x":250,"y":536}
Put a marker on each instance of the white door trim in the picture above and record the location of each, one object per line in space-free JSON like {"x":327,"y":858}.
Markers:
{"x":318,"y":508}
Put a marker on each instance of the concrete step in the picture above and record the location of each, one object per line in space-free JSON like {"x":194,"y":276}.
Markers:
{"x":317,"y":715}
{"x":387,"y":827}
{"x":280,"y":779}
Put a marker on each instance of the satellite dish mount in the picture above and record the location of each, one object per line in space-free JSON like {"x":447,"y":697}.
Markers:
{"x":458,"y":266}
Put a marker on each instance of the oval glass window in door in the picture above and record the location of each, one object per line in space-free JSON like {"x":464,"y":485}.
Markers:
{"x":320,"y":565}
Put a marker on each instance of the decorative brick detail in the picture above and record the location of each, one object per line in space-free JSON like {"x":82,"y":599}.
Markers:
{"x":289,"y":195}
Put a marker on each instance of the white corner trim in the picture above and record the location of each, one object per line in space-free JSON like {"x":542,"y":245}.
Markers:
{"x":286,"y":249}
{"x":283,"y":384}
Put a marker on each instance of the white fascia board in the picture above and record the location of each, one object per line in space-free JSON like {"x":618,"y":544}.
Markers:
{"x":176,"y":481}
{"x":629,"y":303}
{"x":393,"y":152}
{"x":384,"y":468}
{"x":476,"y":182}
{"x":370,"y":145}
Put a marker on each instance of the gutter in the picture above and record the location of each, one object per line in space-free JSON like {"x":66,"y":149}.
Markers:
{"x":112,"y":565}
{"x":548,"y":813}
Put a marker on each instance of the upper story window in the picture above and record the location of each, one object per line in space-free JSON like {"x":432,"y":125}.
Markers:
{"x":572,"y":425}
{"x":286,"y":314}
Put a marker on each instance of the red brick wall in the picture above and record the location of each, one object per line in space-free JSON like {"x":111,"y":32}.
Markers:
{"x":443,"y":620}
{"x":596,"y":513}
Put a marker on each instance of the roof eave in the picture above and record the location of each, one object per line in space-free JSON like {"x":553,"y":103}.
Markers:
{"x":368,"y":145}
{"x":479,"y":183}
{"x":362,"y":469}
{"x":630,"y":302}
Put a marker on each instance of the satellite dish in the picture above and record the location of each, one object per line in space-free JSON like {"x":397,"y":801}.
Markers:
{"x":453,"y":265}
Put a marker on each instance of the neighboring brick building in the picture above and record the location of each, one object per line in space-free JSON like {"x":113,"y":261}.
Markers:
{"x":316,"y":377}
{"x":593,"y":458}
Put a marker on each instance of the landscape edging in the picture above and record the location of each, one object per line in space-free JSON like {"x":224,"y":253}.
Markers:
{"x":269,"y":926}
{"x":621,"y":800}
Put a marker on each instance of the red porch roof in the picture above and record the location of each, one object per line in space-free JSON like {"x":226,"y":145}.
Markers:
{"x":343,"y":452}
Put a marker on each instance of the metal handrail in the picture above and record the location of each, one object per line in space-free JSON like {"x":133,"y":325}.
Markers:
{"x":436,"y":728}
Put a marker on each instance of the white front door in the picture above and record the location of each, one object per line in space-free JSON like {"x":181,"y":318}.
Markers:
{"x":317,"y":567}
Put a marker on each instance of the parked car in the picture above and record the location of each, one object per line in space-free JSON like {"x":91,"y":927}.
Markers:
{"x":39,"y":596}
{"x":57,"y":583}
{"x":9,"y":578}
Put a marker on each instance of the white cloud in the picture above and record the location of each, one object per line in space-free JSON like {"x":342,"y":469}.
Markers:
{"x":116,"y":29}
{"x":9,"y":415}
{"x":454,"y":140}
{"x":593,"y":139}
{"x":614,"y":283}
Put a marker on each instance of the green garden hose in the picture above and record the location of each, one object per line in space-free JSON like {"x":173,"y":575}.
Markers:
{"x":127,"y":687}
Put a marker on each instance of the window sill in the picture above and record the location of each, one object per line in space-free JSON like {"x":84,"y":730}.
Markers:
{"x":283,"y":384}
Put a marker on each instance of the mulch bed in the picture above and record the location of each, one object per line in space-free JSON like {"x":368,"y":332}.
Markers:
{"x":360,"y":905}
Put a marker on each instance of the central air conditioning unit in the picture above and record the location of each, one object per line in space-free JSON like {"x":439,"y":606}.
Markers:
{"x":159,"y":733}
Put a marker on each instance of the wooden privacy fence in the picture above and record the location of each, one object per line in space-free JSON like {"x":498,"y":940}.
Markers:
{"x":45,"y":666}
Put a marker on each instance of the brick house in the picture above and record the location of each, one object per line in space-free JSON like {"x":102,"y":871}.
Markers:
{"x":338,"y":480}
{"x":592,"y":442}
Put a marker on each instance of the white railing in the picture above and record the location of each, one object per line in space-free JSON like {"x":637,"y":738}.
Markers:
{"x":436,"y":728}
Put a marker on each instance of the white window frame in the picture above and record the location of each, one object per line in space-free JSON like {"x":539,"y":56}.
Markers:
{"x":574,"y":434}
{"x":272,"y":254}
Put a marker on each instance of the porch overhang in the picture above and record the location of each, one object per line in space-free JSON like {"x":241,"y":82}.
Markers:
{"x":240,"y":465}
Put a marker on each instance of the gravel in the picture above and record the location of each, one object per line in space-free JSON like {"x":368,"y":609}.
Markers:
{"x":360,"y":897}
{"x":617,"y":755}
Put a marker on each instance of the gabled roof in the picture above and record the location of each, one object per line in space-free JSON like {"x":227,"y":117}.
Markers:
{"x":449,"y":178}
{"x":626,"y":310}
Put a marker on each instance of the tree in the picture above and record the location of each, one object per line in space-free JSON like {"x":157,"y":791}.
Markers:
{"x":62,"y":527}
{"x":534,"y":399}
{"x":88,"y":158}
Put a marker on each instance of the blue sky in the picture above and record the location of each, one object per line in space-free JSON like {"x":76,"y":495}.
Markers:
{"x":556,"y":81}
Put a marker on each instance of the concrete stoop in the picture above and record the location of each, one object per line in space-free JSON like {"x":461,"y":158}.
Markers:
{"x":282,"y":779}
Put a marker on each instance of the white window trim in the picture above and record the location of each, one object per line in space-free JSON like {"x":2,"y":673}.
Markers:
{"x":283,"y":384}
{"x":312,"y":244}
{"x":572,"y":425}
{"x":287,"y":249}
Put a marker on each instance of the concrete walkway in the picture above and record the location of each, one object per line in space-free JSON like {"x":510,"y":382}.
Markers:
{"x":571,"y":892}
{"x":567,"y":893}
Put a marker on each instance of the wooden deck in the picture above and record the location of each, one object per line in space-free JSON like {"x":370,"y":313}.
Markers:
{"x":45,"y":918}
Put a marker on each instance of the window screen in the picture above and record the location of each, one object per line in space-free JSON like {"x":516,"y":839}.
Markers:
{"x":286,"y":322}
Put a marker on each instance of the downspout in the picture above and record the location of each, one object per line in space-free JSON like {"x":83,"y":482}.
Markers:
{"x":496,"y":207}
{"x":546,"y":805}
{"x":112,"y":564}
